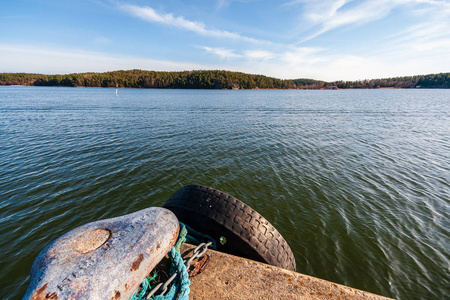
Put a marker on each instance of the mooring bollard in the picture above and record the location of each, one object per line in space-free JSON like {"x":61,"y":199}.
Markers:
{"x":107,"y":259}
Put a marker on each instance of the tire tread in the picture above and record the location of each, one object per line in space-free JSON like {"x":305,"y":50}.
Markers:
{"x":236,"y":217}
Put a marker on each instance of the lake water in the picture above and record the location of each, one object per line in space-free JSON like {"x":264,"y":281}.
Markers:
{"x":357,"y":181}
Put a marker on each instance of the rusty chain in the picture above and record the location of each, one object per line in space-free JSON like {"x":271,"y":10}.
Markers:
{"x":196,"y":253}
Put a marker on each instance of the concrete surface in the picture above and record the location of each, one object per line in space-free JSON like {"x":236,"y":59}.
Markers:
{"x":234,"y":278}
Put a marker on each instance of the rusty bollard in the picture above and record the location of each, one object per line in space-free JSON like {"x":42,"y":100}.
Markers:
{"x":107,"y":259}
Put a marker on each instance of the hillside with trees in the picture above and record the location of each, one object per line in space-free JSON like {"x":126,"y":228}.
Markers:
{"x":151,"y":79}
{"x":213,"y":79}
{"x":441,"y":80}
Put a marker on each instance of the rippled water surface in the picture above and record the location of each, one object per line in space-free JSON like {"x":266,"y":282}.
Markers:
{"x":357,"y":181}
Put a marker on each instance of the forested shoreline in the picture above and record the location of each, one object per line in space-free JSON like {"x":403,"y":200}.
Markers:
{"x":213,"y":79}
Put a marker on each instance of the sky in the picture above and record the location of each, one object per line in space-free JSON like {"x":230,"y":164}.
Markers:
{"x":317,"y":39}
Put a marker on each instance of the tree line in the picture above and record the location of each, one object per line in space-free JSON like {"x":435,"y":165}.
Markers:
{"x":441,"y":80}
{"x":213,"y":79}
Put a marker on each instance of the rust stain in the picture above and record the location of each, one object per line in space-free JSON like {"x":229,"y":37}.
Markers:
{"x":116,"y":296}
{"x":137,"y":263}
{"x":175,"y":236}
{"x":40,"y":293}
{"x":200,"y":266}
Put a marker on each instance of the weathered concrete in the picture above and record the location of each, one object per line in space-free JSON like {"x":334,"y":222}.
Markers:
{"x":107,"y":259}
{"x":235,"y":278}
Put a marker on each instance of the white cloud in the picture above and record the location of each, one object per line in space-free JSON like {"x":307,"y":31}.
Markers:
{"x":288,"y":54}
{"x":422,"y":41}
{"x":430,"y":37}
{"x":319,"y":63}
{"x":259,"y":54}
{"x":224,"y":3}
{"x":302,"y":55}
{"x":336,"y":15}
{"x":347,"y":67}
{"x":221,"y":52}
{"x":326,"y":15}
{"x":441,"y":45}
{"x":422,"y":48}
{"x":24,"y":58}
{"x":149,"y":14}
{"x":322,"y":11}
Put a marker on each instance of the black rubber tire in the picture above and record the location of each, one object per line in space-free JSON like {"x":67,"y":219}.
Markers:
{"x":247,"y":233}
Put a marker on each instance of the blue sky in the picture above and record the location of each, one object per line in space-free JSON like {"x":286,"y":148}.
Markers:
{"x":319,"y":39}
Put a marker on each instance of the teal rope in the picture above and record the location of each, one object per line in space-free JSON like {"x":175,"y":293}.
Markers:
{"x":182,"y":236}
{"x":196,"y":238}
{"x":181,"y":282}
{"x":180,"y":286}
{"x":145,"y":287}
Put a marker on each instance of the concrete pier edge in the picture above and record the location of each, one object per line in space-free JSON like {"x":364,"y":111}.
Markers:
{"x":235,"y":278}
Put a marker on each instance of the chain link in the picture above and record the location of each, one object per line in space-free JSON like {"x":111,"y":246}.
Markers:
{"x":187,"y":263}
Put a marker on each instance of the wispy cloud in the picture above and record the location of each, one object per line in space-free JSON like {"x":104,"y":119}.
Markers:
{"x":406,"y":37}
{"x":224,"y":3}
{"x":427,"y":35}
{"x":221,"y":52}
{"x":303,"y":56}
{"x":426,"y":39}
{"x":303,"y":63}
{"x":322,"y":10}
{"x":319,"y":63}
{"x":441,"y":45}
{"x":289,"y":54}
{"x":259,"y":54}
{"x":329,"y":15}
{"x":49,"y":60}
{"x":149,"y":14}
{"x":326,"y":15}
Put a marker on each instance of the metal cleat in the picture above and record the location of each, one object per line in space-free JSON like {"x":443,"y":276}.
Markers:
{"x":107,"y":259}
